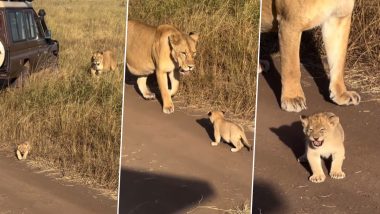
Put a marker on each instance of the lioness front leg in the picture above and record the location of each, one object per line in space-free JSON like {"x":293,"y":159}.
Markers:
{"x":292,"y":96}
{"x":162,"y":79}
{"x":335,"y":36}
{"x":336,"y":167}
{"x":174,"y":82}
{"x":315,"y":162}
{"x":19,"y":156}
{"x":143,"y":87}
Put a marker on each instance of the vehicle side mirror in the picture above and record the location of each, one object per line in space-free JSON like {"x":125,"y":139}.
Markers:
{"x":41,"y":13}
{"x":48,"y":34}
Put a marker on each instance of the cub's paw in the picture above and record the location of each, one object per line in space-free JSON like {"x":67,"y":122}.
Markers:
{"x":149,"y":96}
{"x":337,"y":174}
{"x":317,"y":178}
{"x":168,"y":109}
{"x":214,"y":143}
{"x":346,"y":98}
{"x":295,"y":104}
{"x":235,"y":149}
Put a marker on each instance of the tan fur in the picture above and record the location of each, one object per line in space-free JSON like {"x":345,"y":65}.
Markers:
{"x":102,"y":61}
{"x":162,"y":50}
{"x":23,"y":149}
{"x":228,"y":131}
{"x":324,"y":138}
{"x":290,"y":18}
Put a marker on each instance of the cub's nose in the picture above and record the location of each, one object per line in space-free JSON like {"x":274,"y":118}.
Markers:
{"x":315,"y":138}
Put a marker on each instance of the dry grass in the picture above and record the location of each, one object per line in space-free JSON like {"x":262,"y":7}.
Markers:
{"x":225,"y":76}
{"x":72,"y":120}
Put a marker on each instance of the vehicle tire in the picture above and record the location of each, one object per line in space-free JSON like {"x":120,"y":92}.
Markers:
{"x":24,"y":75}
{"x":2,"y":54}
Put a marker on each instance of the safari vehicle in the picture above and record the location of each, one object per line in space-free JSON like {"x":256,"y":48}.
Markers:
{"x":25,"y":42}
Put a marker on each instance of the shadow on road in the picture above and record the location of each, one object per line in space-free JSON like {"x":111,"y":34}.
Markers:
{"x":265,"y":199}
{"x":293,"y":137}
{"x":143,"y":192}
{"x":206,"y":124}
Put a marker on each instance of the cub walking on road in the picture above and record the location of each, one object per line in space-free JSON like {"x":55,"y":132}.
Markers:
{"x":230,"y":132}
{"x":23,"y":150}
{"x":324,"y":138}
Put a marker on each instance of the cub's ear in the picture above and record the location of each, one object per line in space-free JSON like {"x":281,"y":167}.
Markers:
{"x":194,"y":36}
{"x":333,"y":119}
{"x":304,"y":119}
{"x":209,"y":113}
{"x":174,"y":40}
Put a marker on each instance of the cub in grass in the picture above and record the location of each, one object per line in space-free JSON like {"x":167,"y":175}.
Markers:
{"x":230,"y":132}
{"x":324,"y":138}
{"x":102,"y":61}
{"x":23,"y":150}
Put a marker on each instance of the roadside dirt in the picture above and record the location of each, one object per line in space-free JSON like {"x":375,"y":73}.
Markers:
{"x":169,"y":166}
{"x":281,"y":183}
{"x":23,"y":190}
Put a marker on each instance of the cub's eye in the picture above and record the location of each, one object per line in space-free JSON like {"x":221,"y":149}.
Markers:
{"x":183,"y":53}
{"x":322,"y":130}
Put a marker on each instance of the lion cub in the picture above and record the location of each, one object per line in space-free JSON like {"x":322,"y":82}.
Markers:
{"x":102,"y":61}
{"x":230,"y":132}
{"x":23,"y":150}
{"x":324,"y":138}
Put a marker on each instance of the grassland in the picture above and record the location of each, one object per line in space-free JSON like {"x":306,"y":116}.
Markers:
{"x":72,"y":120}
{"x":225,"y":76}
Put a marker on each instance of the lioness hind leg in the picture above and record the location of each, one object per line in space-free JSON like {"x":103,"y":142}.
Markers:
{"x":292,"y":96}
{"x":141,"y":83}
{"x":335,"y":33}
{"x":336,"y":167}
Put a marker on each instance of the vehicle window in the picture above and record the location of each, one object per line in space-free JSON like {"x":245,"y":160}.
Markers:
{"x":32,"y":27}
{"x":17,"y":24}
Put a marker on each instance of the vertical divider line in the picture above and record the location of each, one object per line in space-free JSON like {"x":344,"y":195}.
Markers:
{"x":122,"y":104}
{"x":257,"y":96}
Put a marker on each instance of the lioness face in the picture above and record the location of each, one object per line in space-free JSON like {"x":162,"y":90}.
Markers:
{"x":184,"y":50}
{"x":316,"y":127}
{"x":97,"y":60}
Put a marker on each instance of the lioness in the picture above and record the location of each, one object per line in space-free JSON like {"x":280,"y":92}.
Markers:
{"x":23,"y":150}
{"x":228,"y":131}
{"x":324,"y":137}
{"x":102,"y":61}
{"x":162,"y":50}
{"x":290,"y":18}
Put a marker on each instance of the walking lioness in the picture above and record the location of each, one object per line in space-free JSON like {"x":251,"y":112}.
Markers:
{"x":161,"y":50}
{"x":324,"y":138}
{"x":290,"y":18}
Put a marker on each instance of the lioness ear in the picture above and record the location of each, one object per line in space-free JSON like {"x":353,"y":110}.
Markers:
{"x":174,"y":40}
{"x":333,"y":119}
{"x":209,"y":113}
{"x":194,"y":36}
{"x":304,"y":120}
{"x":223,"y":112}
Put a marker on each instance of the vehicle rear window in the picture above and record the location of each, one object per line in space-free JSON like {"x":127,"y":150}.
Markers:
{"x":23,"y":25}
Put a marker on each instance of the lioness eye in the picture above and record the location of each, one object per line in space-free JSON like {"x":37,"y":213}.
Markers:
{"x":183,"y":53}
{"x":195,"y":53}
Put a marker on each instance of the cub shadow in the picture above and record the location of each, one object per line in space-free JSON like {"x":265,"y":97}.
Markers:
{"x":145,"y":192}
{"x":293,"y":137}
{"x":309,"y":57}
{"x":207,"y":125}
{"x":265,"y":199}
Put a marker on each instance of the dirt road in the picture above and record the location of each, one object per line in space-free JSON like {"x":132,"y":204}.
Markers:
{"x":281,"y":184}
{"x":169,"y":166}
{"x":23,"y":190}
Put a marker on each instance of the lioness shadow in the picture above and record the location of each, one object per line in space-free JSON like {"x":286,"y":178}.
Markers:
{"x":309,"y":57}
{"x":293,"y":137}
{"x":264,"y":199}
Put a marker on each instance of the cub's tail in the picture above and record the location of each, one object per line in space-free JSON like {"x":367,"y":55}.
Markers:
{"x":245,"y":141}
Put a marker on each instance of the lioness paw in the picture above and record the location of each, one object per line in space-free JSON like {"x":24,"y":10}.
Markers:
{"x":214,"y":143}
{"x":346,"y":98}
{"x":337,"y":175}
{"x":317,"y":178}
{"x":168,"y":109}
{"x":149,"y":96}
{"x":296,"y":104}
{"x":235,"y":149}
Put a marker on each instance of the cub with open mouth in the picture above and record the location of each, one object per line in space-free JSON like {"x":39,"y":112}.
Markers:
{"x":324,"y":138}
